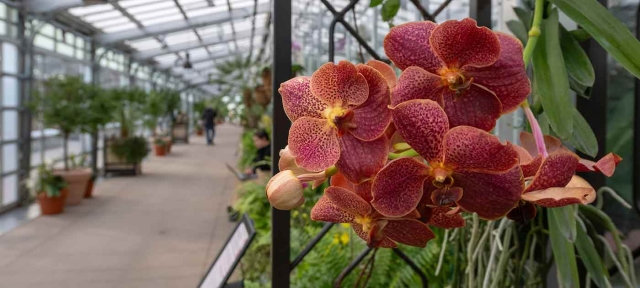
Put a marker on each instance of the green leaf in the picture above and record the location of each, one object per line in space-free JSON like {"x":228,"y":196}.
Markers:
{"x":543,"y":121}
{"x":605,"y":28}
{"x":578,"y":65}
{"x":551,"y":82}
{"x":591,"y":259}
{"x":390,"y":9}
{"x":581,"y":90}
{"x":580,"y":34}
{"x":566,"y":220}
{"x":375,"y":3}
{"x":583,"y":137}
{"x":518,"y":29}
{"x":563,"y":252}
{"x":524,"y":15}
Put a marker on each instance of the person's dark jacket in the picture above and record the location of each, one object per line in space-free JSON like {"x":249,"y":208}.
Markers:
{"x":261,"y":155}
{"x":209,"y":117}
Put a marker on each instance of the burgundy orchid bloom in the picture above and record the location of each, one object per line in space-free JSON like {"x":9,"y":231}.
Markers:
{"x":339,"y":117}
{"x":475,"y":74}
{"x":342,"y":205}
{"x":466,"y":166}
{"x":552,"y":176}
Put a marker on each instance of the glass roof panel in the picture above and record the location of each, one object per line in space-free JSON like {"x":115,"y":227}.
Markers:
{"x":205,"y":11}
{"x":180,"y":37}
{"x":194,"y":5}
{"x":111,"y":22}
{"x":80,"y":11}
{"x":102,"y":16}
{"x":168,"y":58}
{"x":159,"y":20}
{"x":154,"y":14}
{"x":130,"y":3}
{"x":122,"y":27}
{"x":144,"y":44}
{"x":155,"y":6}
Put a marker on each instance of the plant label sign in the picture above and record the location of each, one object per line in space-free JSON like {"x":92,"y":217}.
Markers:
{"x":230,"y":255}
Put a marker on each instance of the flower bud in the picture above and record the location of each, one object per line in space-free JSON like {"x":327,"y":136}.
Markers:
{"x":285,"y":191}
{"x":288,"y":162}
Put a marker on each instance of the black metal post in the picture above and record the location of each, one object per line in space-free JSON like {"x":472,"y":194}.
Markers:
{"x":481,"y":11}
{"x":636,"y":133}
{"x":280,"y":220}
{"x":26,"y":68}
{"x":595,"y":109}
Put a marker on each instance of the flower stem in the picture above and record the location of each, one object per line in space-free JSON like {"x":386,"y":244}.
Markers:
{"x":534,"y":32}
{"x":405,"y":154}
{"x":537,"y":132}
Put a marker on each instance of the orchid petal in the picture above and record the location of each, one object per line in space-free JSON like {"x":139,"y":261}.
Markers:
{"x":446,"y":196}
{"x":347,"y":201}
{"x":364,"y":190}
{"x":578,"y":191}
{"x":408,"y":231}
{"x":491,"y":196}
{"x":372,"y":118}
{"x":360,"y":160}
{"x":339,"y":180}
{"x":529,"y":165}
{"x":408,"y":45}
{"x":326,"y":211}
{"x":528,"y":142}
{"x":385,"y":243}
{"x":397,"y":189}
{"x":462,"y":43}
{"x":298,"y":101}
{"x":314,"y":144}
{"x":440,"y":218}
{"x":475,"y":106}
{"x":507,"y":77}
{"x":555,"y":171}
{"x":606,"y":165}
{"x":471,"y":149}
{"x":417,"y":83}
{"x":524,"y":212}
{"x":385,"y":70}
{"x":423,"y":124}
{"x":339,"y":85}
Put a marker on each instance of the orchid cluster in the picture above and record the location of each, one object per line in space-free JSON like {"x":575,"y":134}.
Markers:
{"x":407,"y":153}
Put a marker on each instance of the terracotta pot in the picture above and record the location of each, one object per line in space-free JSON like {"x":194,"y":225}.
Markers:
{"x":199,"y":132}
{"x":55,"y":205}
{"x":88,"y":192}
{"x":160,"y":150}
{"x":77,"y":180}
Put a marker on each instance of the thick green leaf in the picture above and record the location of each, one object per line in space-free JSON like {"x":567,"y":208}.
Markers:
{"x":518,"y":29}
{"x":605,"y":28}
{"x":390,"y":9}
{"x":581,"y":90}
{"x":580,"y":34}
{"x":563,"y":252}
{"x":583,"y":137}
{"x":543,"y":121}
{"x":375,"y":3}
{"x":591,"y":259}
{"x":578,"y":65}
{"x":525,"y":16}
{"x":566,"y":220}
{"x":551,"y":82}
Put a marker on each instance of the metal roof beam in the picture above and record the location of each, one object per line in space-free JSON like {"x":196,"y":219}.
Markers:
{"x":211,"y":57}
{"x":180,"y":25}
{"x":148,"y":54}
{"x":47,"y":6}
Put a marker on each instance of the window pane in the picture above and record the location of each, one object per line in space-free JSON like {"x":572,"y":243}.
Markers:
{"x":9,"y":158}
{"x":44,"y":42}
{"x":10,"y":91}
{"x":10,"y":125}
{"x":10,"y":189}
{"x":65,"y":49}
{"x":10,"y":58}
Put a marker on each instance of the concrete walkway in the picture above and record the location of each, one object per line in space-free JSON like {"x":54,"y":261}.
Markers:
{"x":161,"y":229}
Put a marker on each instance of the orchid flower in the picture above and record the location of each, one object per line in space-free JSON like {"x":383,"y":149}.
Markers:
{"x":340,"y":204}
{"x":339,"y":113}
{"x":473,"y":73}
{"x":466,"y":166}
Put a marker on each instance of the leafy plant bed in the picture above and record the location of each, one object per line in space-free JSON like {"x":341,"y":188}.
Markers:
{"x":124,"y":156}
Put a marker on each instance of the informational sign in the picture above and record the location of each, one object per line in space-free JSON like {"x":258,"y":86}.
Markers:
{"x":230,"y":255}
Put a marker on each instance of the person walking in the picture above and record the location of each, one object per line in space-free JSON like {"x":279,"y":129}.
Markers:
{"x":209,"y":117}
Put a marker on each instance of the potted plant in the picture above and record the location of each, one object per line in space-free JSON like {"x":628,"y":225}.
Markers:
{"x":159,"y":146}
{"x":100,"y":107}
{"x":50,"y":190}
{"x":198,"y":109}
{"x":80,"y":162}
{"x":124,"y":153}
{"x":64,"y":105}
{"x":131,"y":150}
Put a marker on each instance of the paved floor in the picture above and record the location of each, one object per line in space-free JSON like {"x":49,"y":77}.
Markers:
{"x":161,"y":229}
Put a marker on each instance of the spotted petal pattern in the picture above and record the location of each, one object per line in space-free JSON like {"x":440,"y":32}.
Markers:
{"x":339,"y":85}
{"x":326,"y":211}
{"x":577,"y":191}
{"x":397,"y":188}
{"x":372,"y":117}
{"x":471,"y":149}
{"x":463,"y":43}
{"x":423,"y":124}
{"x":386,"y":71}
{"x":408,"y":231}
{"x":298,"y":101}
{"x":555,"y":171}
{"x":408,"y":45}
{"x":360,"y":160}
{"x":417,"y":83}
{"x":314,"y":144}
{"x":476,"y":107}
{"x":347,"y":201}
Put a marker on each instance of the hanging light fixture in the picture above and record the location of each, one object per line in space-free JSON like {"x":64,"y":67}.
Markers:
{"x":187,"y":62}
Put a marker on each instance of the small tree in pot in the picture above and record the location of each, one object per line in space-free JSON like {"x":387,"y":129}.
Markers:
{"x":100,"y":107}
{"x":64,"y":105}
{"x":50,"y":190}
{"x":129,"y":110}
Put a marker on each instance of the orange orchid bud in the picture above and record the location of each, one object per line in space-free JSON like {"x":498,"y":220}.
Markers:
{"x":288,"y":162}
{"x":285,"y":191}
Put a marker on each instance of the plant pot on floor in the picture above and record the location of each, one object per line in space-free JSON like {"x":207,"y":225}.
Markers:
{"x":88,"y":192}
{"x":169,"y":143}
{"x":160,"y":150}
{"x":199,"y":132}
{"x":77,"y":180}
{"x":52,"y":205}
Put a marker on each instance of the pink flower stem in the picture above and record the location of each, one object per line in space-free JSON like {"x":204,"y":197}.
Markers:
{"x":537,"y":132}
